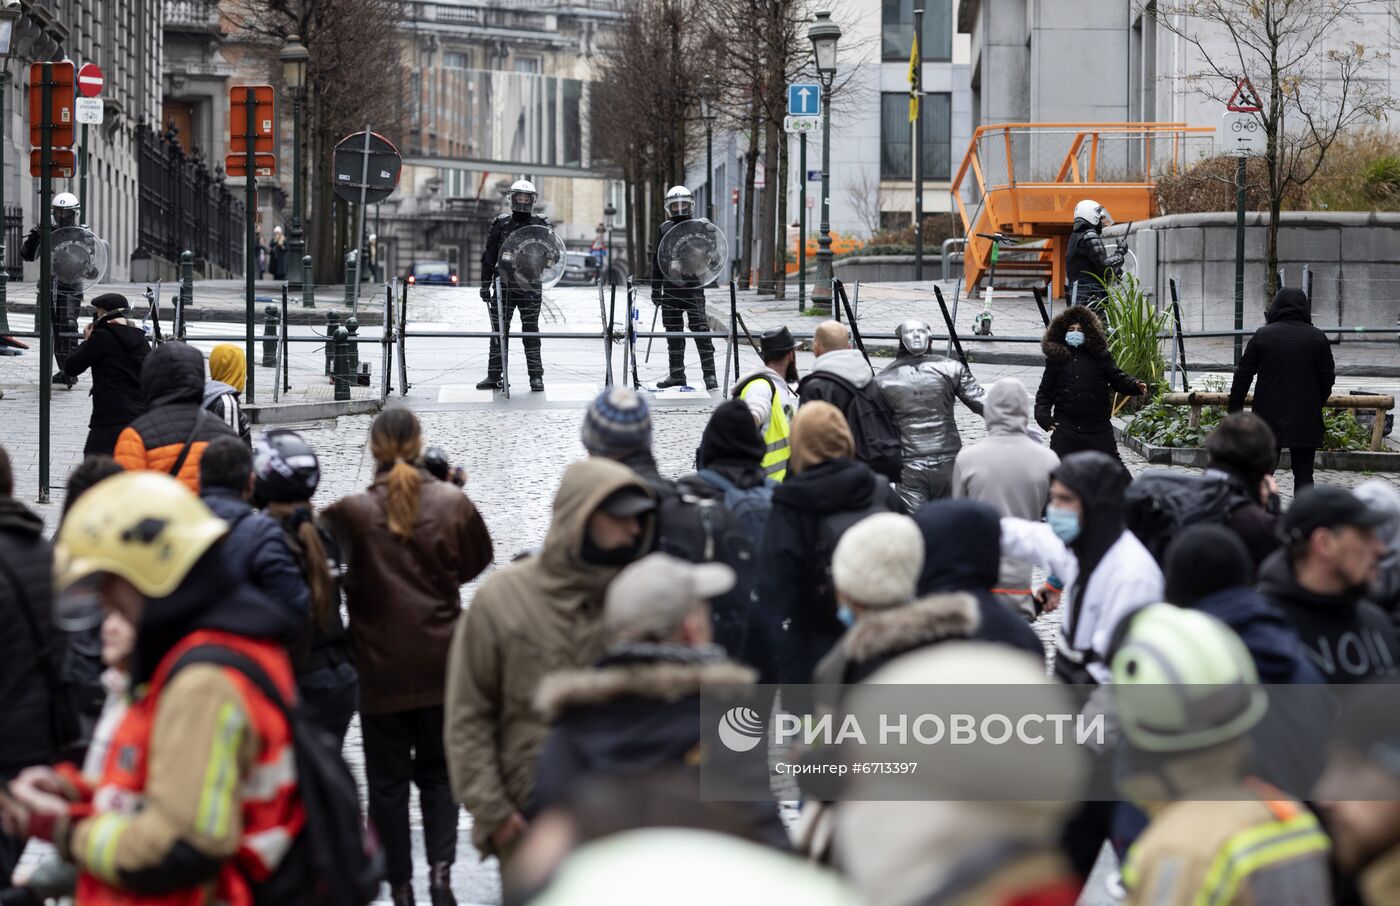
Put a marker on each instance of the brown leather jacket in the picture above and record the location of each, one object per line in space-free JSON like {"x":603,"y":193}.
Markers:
{"x":403,"y":597}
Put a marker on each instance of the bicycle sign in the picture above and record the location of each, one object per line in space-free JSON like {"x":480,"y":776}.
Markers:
{"x":1242,"y":135}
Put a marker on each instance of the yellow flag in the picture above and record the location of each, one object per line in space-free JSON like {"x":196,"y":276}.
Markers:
{"x":914,"y":81}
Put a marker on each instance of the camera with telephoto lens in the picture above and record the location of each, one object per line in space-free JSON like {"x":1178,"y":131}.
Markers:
{"x":440,"y":467}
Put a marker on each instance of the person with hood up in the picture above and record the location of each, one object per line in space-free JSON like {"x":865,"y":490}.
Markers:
{"x":827,"y":492}
{"x":1009,"y":469}
{"x":1320,"y":579}
{"x":539,"y":614}
{"x":1243,"y":453}
{"x":1293,"y":362}
{"x":1385,"y":590}
{"x":922,"y":389}
{"x":1106,"y":570}
{"x":633,"y":716}
{"x":410,"y":542}
{"x":1088,"y":265}
{"x":729,"y":465}
{"x":1075,"y":398}
{"x":170,"y":436}
{"x":223,"y":392}
{"x":876,"y":571}
{"x":954,"y":830}
{"x":197,"y":782}
{"x":962,"y":553}
{"x":115,"y":350}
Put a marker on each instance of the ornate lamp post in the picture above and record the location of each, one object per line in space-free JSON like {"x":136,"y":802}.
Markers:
{"x":609,"y":212}
{"x":294,"y":57}
{"x":824,"y":34}
{"x":707,"y":113}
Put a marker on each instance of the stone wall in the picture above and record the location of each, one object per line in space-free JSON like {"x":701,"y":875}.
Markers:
{"x":1354,"y":259}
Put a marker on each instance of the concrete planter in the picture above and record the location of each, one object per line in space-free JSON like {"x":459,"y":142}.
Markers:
{"x":1197,"y":457}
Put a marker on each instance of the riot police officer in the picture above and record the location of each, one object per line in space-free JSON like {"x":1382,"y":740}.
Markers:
{"x":681,"y":303}
{"x":517,"y":291}
{"x":1088,"y":265}
{"x":67,"y":298}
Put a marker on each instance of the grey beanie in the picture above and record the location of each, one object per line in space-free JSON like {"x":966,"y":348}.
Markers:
{"x":618,"y":422}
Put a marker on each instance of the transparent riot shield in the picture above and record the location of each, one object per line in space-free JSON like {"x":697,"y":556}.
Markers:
{"x":534,"y":256}
{"x":692,"y":253}
{"x":80,"y":258}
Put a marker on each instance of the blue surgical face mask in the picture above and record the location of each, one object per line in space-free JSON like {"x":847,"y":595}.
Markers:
{"x":1064,"y":523}
{"x":1075,"y":338}
{"x":846,"y":615}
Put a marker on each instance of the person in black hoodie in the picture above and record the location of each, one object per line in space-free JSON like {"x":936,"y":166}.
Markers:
{"x":826,"y":492}
{"x":729,"y":465}
{"x":1319,"y":581}
{"x":28,"y":644}
{"x":1075,"y":398}
{"x":1243,"y":452}
{"x":962,"y":552}
{"x":115,"y":350}
{"x":1293,"y":362}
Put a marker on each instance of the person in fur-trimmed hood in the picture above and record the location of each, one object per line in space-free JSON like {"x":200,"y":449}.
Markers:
{"x":876,"y":569}
{"x":634,"y":713}
{"x":1075,"y":398}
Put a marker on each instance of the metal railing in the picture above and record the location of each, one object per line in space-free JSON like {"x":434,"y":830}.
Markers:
{"x":181,"y":204}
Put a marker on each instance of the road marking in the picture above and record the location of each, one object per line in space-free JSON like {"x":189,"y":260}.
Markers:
{"x":464,"y":393}
{"x":570,"y":393}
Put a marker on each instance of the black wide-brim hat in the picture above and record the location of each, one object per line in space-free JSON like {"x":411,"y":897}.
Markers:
{"x":776,"y":341}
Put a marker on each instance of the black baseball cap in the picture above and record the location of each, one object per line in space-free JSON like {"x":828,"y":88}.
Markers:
{"x":628,"y":501}
{"x":1326,"y":507}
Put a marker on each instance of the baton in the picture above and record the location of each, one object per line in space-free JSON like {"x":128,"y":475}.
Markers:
{"x":952,"y":331}
{"x":655,"y":310}
{"x":1040,"y":304}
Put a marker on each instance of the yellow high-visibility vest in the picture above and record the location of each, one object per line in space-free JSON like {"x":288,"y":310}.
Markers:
{"x":776,"y":438}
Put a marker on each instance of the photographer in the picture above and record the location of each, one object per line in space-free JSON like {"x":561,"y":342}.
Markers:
{"x":114,"y":349}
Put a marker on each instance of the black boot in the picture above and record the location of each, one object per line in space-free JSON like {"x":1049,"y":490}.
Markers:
{"x":537,"y":383}
{"x":65,"y":379}
{"x":440,"y":884}
{"x":674,"y":380}
{"x":403,"y":895}
{"x":711,"y":382}
{"x":491,"y":383}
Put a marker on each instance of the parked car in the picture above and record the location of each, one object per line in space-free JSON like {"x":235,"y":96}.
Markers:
{"x":580,"y":269}
{"x":432,"y":272}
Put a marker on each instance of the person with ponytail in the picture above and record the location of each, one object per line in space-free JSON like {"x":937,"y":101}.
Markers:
{"x":410,"y":541}
{"x":286,"y":473}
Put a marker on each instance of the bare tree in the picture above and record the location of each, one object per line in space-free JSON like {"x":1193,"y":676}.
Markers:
{"x":1314,"y":85}
{"x":867,"y":198}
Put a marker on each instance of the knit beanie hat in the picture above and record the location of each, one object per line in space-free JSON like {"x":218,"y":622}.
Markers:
{"x":1203,"y":560}
{"x":731,"y":435}
{"x":618,"y":422}
{"x":878,"y":560}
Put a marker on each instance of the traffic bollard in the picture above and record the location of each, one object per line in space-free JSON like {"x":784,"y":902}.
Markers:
{"x":342,"y":376}
{"x":352,"y":324}
{"x":332,"y":322}
{"x":308,"y":286}
{"x":350,"y":279}
{"x":186,"y":280}
{"x":269,"y":356}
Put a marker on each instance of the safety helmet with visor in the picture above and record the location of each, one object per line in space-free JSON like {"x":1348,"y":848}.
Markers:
{"x":65,"y":209}
{"x":679,"y":202}
{"x":523,"y":196}
{"x":1093,"y":212}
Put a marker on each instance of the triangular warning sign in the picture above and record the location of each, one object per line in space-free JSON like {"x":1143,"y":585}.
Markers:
{"x":1245,"y":99}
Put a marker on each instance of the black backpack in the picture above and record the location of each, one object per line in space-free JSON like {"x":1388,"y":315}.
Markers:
{"x":873,"y":425}
{"x":1159,"y":504}
{"x":833,"y":525}
{"x":335,"y":860}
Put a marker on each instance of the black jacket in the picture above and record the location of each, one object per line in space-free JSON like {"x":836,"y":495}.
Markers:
{"x":256,"y":552}
{"x":1086,"y":258}
{"x":502,"y":227}
{"x":1349,"y":640}
{"x":115,"y":353}
{"x":1076,"y":390}
{"x":661,"y":290}
{"x":809,"y":510}
{"x":1255,"y":525}
{"x":24,"y":719}
{"x":962,"y":552}
{"x":1293,"y":362}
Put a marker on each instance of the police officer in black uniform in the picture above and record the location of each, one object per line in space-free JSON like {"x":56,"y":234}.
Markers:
{"x":681,"y":303}
{"x":518,"y":292}
{"x":1087,"y":262}
{"x":67,"y":300}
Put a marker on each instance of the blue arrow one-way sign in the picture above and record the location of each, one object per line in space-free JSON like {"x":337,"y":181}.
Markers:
{"x":804,"y":100}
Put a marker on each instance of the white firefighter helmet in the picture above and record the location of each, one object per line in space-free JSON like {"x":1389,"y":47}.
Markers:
{"x":65,"y":201}
{"x":1092,"y":211}
{"x":679,"y":202}
{"x":522,"y":196}
{"x":915,"y":336}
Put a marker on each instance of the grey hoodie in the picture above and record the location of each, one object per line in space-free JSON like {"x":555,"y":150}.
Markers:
{"x":1008,"y":469}
{"x":846,"y":363}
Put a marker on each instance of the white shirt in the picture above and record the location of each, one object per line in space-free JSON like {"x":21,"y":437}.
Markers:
{"x":1126,"y":579}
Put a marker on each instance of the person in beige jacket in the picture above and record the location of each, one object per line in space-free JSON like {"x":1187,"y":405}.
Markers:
{"x":535,"y":616}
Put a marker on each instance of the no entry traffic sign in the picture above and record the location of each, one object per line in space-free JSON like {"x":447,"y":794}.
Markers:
{"x":90,"y":80}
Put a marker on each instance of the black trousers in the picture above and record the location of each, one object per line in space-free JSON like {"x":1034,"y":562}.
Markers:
{"x":63,"y":320}
{"x":528,"y":304}
{"x":1065,"y":440}
{"x":1301,"y":459}
{"x":102,"y":439}
{"x":401,"y":747}
{"x":674,"y":314}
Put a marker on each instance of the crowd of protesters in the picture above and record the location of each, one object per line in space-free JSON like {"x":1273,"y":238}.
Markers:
{"x":200,"y":627}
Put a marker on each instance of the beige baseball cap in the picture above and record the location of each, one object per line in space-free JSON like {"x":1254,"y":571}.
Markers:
{"x":650,"y":598}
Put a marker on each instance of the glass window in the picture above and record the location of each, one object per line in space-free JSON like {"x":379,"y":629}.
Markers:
{"x":896,"y":136}
{"x":453,"y":59}
{"x":898,"y":29}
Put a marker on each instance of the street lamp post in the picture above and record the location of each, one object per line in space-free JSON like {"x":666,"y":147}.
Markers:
{"x":609,"y":212}
{"x":707,"y":113}
{"x":9,"y":19}
{"x":824,"y":34}
{"x":294,"y":57}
